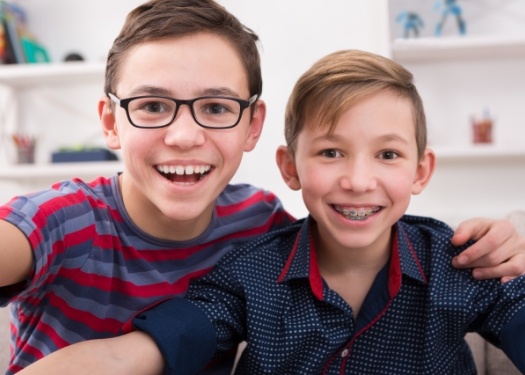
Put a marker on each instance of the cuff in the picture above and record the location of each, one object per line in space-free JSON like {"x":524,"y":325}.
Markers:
{"x":183,"y":333}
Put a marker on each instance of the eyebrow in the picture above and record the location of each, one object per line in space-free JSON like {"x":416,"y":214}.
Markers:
{"x":211,"y":91}
{"x":393,"y":138}
{"x":384,"y":138}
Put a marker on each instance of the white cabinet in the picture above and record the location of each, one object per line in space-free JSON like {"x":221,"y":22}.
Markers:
{"x":57,"y":103}
{"x":460,"y":77}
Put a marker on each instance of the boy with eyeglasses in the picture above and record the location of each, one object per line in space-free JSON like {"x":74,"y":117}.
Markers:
{"x":80,"y":259}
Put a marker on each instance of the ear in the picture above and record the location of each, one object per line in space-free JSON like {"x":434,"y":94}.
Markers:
{"x":256,"y":125}
{"x":424,"y":172}
{"x":286,"y":164}
{"x":109,"y":125}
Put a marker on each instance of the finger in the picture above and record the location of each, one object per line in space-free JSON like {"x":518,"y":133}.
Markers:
{"x":471,"y":229}
{"x":507,"y":278}
{"x":505,"y":271}
{"x":483,"y":253}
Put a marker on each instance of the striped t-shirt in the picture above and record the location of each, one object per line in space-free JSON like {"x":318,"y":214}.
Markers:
{"x":94,"y":269}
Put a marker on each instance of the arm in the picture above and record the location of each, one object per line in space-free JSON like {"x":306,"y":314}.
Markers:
{"x":512,"y":342}
{"x":16,"y":257}
{"x":498,"y":253}
{"x":134,"y":353}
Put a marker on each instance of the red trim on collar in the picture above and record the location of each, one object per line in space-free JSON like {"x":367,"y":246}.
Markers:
{"x":316,"y":280}
{"x":394,"y":273}
{"x":414,"y":255}
{"x":290,"y":259}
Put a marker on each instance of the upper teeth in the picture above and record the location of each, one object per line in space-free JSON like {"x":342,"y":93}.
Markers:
{"x":357,"y":213}
{"x":180,"y":169}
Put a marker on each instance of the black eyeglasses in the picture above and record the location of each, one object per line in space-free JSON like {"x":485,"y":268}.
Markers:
{"x":211,"y":112}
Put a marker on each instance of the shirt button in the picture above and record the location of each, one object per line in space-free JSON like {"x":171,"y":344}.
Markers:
{"x":344,"y":353}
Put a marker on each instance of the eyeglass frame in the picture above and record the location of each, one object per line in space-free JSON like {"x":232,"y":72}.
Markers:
{"x":124,"y":103}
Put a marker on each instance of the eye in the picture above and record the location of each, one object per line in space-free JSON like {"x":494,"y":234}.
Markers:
{"x":331,"y":153}
{"x":216,"y":106}
{"x":215,"y":109}
{"x":151,"y":105}
{"x":388,"y":155}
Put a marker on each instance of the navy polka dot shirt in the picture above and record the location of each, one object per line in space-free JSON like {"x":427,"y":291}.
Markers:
{"x":269,"y":292}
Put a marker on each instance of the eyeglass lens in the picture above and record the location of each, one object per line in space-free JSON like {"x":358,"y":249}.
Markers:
{"x":211,"y":112}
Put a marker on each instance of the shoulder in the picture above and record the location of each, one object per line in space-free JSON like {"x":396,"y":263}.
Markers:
{"x":428,"y":227}
{"x":67,"y":195}
{"x":247,"y":202}
{"x":428,"y":235}
{"x":245,"y":194}
{"x":275,"y":244}
{"x":66,"y":188}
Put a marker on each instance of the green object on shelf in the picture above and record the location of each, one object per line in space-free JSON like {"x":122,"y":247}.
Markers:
{"x":34,"y":52}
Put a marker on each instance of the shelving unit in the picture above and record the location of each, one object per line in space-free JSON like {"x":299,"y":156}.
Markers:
{"x":30,"y":75}
{"x":19,"y":79}
{"x":59,"y":171}
{"x":462,"y":76}
{"x":479,"y":153}
{"x":457,"y":47}
{"x":459,"y":77}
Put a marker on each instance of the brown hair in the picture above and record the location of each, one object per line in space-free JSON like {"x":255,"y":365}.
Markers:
{"x":162,"y":19}
{"x":340,"y":80}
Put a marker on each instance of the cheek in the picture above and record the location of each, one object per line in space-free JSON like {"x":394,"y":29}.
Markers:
{"x":137,"y":143}
{"x":316,"y":180}
{"x":230,"y":146}
{"x":400,"y":187}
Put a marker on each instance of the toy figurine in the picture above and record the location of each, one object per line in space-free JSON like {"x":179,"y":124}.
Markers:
{"x":450,"y":7}
{"x":411,"y":22}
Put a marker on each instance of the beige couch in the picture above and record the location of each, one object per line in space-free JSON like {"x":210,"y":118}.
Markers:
{"x":489,"y":359}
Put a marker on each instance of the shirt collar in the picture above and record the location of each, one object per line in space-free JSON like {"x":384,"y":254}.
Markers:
{"x":302,"y":261}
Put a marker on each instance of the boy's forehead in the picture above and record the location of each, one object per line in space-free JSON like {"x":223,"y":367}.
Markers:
{"x":185,"y":65}
{"x":329,"y":120}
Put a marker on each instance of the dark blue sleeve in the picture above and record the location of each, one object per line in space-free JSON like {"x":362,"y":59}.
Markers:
{"x":513,"y":340}
{"x":183,"y":333}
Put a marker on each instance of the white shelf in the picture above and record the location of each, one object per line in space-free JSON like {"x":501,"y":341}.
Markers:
{"x":59,"y":171}
{"x":457,"y":47}
{"x":479,"y":152}
{"x":30,"y":75}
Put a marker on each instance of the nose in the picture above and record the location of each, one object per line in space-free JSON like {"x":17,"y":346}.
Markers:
{"x":358,"y":176}
{"x":184,"y":132}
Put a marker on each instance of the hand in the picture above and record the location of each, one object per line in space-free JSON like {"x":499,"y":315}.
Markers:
{"x":498,"y":253}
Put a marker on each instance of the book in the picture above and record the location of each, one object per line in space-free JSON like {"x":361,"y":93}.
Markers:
{"x":13,"y":22}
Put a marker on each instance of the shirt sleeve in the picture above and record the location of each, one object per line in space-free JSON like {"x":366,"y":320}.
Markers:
{"x":512,"y":342}
{"x":183,"y":333}
{"x":504,"y":323}
{"x":205,"y":324}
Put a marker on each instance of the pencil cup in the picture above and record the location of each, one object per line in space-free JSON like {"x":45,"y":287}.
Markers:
{"x":25,"y":155}
{"x":482,"y":131}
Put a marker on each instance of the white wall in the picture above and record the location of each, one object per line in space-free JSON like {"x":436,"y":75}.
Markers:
{"x":294,"y":34}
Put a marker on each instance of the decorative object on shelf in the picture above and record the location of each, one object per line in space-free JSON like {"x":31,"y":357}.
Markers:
{"x":412,"y":22}
{"x":25,"y":148}
{"x":34,"y":52}
{"x":19,"y":45}
{"x":82,"y":154}
{"x":74,"y":56}
{"x":450,"y":7}
{"x":482,"y":128}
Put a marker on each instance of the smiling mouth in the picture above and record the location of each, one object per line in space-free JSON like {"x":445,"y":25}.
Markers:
{"x":357,"y":213}
{"x":187,"y":175}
